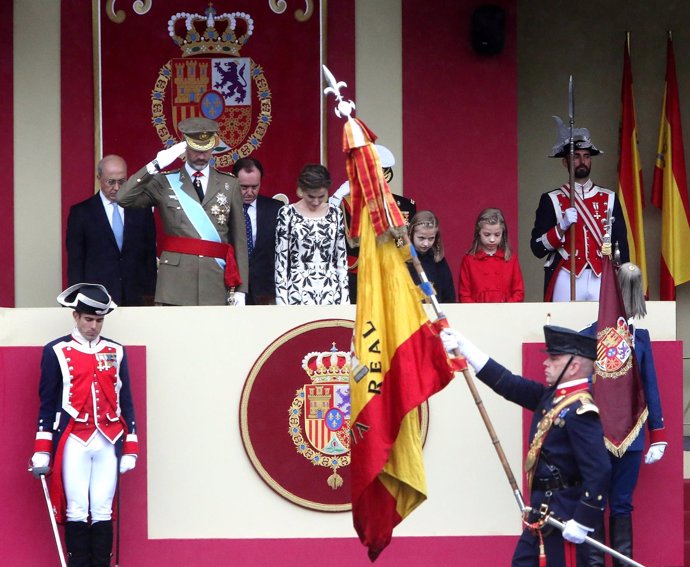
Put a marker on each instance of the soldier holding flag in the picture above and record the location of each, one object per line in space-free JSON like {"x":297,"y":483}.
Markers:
{"x":567,"y":465}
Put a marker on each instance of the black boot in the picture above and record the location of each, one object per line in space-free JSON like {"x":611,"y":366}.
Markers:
{"x":78,"y":544}
{"x":101,"y":543}
{"x":596,"y":557}
{"x":620,"y":532}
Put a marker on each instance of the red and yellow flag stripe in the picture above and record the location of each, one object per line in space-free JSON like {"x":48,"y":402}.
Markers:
{"x":670,"y":189}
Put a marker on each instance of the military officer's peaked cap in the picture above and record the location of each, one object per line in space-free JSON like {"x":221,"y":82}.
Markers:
{"x":201,"y":134}
{"x":560,"y":340}
{"x":88,"y":298}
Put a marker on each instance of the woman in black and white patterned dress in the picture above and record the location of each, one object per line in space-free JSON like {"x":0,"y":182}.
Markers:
{"x":311,"y":265}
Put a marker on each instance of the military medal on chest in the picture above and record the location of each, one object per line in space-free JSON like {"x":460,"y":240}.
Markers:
{"x":220,"y":208}
{"x":106,"y":361}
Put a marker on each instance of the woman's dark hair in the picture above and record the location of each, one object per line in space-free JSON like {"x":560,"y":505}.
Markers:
{"x":314,"y":176}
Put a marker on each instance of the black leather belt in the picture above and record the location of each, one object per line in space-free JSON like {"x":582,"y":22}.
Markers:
{"x":544,"y":484}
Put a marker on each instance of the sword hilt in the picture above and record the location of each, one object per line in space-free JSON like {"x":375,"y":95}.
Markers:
{"x":38,"y":472}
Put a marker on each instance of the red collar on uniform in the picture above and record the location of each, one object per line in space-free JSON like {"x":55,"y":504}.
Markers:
{"x":572,"y":386}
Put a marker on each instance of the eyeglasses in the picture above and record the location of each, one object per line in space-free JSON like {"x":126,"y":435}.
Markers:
{"x":113,"y":182}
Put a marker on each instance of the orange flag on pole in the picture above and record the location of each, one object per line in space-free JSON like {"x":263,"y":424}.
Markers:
{"x":670,"y":189}
{"x":630,"y":193}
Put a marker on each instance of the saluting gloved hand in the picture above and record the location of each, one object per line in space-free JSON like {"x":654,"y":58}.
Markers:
{"x":452,"y":340}
{"x":655,"y":452}
{"x":342,"y":192}
{"x":240,"y":298}
{"x":165,"y":157}
{"x":40,"y":460}
{"x":569,"y":217}
{"x":127,"y":463}
{"x":574,"y":532}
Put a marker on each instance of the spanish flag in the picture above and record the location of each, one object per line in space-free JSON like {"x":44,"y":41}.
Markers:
{"x":399,"y":360}
{"x":670,"y":189}
{"x":630,"y":191}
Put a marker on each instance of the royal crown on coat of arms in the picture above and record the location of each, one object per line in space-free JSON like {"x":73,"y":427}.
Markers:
{"x":319,"y":421}
{"x":213,"y":81}
{"x":209,"y":33}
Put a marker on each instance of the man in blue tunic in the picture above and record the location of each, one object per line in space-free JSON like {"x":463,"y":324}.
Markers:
{"x":567,"y":464}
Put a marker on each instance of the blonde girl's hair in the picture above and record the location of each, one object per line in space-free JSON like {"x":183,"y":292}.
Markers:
{"x":491,"y":216}
{"x":427,"y":219}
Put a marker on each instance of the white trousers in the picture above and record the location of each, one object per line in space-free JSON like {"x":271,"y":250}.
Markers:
{"x":89,"y":475}
{"x":587,"y":286}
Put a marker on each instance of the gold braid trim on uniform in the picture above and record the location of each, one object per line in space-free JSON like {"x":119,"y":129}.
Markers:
{"x":543,"y":428}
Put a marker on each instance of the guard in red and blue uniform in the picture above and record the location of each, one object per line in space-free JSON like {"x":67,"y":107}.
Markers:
{"x":551,"y":237}
{"x":567,"y":464}
{"x":86,"y":425}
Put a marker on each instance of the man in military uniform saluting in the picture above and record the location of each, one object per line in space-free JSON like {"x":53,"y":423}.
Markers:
{"x":204,"y":259}
{"x":567,"y":465}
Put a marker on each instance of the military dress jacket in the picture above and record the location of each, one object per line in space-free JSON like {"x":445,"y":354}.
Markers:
{"x":84,"y":388}
{"x":573,"y":453}
{"x":595,"y":203}
{"x":188,"y":279}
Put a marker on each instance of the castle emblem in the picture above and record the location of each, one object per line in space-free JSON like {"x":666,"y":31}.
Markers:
{"x":614,"y":350}
{"x":319,"y":418}
{"x":210,"y":79}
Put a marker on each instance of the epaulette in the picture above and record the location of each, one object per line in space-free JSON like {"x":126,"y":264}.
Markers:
{"x":224,"y":172}
{"x":587,"y":407}
{"x":166,"y":172}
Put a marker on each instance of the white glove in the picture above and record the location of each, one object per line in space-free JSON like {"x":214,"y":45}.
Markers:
{"x":165,"y":157}
{"x":574,"y":532}
{"x":453,"y":340}
{"x":127,"y":463}
{"x":655,"y":452}
{"x":569,"y":217}
{"x":240,"y":298}
{"x":342,"y":192}
{"x":40,"y":460}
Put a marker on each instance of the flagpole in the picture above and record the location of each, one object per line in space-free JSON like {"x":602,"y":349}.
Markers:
{"x":571,"y":171}
{"x":428,"y":289}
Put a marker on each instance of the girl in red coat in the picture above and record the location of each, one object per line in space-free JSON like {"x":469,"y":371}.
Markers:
{"x":490,"y":272}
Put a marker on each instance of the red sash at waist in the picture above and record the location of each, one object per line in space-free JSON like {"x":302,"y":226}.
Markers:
{"x":199,"y":247}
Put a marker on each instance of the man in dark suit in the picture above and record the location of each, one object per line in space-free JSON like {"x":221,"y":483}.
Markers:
{"x":260,"y":215}
{"x":107,"y":246}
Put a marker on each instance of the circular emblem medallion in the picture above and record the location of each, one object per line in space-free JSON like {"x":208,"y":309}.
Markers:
{"x":295,"y":415}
